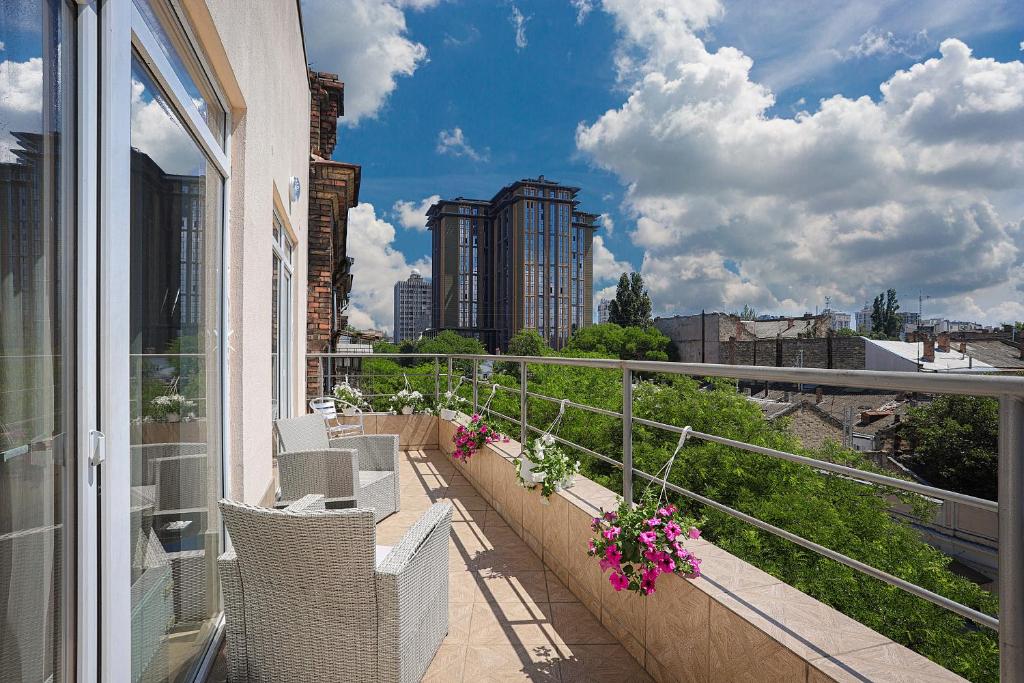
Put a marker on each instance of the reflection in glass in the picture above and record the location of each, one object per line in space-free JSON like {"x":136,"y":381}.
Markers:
{"x":36,"y":336}
{"x":175,"y":389}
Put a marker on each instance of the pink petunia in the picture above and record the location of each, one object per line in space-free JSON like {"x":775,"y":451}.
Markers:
{"x":483,"y":429}
{"x":613,"y":554}
{"x":648,"y":538}
{"x":590,"y":545}
{"x":611,"y":516}
{"x":618,"y":581}
{"x":693,"y":533}
{"x":612,"y":533}
{"x":672,"y":531}
{"x":653,"y":522}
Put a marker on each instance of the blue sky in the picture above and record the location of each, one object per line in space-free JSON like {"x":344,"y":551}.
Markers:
{"x":725,"y":141}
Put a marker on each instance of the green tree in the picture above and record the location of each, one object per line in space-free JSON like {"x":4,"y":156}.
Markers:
{"x":450,"y":342}
{"x":954,"y":443}
{"x":884,"y":321}
{"x":631,"y":306}
{"x":627,"y":343}
{"x":528,"y":342}
{"x":847,"y":332}
{"x":748,"y":313}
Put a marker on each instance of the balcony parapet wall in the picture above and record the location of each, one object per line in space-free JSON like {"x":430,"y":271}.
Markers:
{"x":735,"y":623}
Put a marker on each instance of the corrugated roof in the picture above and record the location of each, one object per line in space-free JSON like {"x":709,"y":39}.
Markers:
{"x":945,"y":361}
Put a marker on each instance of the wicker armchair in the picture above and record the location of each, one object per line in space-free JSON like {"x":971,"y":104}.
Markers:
{"x":308,"y":596}
{"x":363,"y":469}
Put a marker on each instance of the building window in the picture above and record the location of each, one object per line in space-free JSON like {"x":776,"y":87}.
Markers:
{"x":175,"y":294}
{"x":281,"y":333}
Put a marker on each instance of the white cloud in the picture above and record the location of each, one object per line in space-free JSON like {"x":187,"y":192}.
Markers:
{"x":22,"y":87}
{"x":734,"y":205}
{"x":161,"y":136}
{"x":376,"y":266}
{"x":454,"y":143}
{"x":608,"y":223}
{"x":583,"y":8}
{"x":413,"y":216}
{"x":519,"y":22}
{"x":606,"y":266}
{"x":875,"y":42}
{"x":365,"y":42}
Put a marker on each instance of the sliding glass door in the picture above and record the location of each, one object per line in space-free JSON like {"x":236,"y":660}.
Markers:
{"x":37,"y":339}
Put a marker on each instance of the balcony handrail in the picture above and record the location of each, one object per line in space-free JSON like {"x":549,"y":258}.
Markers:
{"x":1010,"y":508}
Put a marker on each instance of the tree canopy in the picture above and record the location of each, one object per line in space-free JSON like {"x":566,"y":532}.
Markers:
{"x":631,"y":306}
{"x":528,"y":342}
{"x":884,"y":321}
{"x":627,"y":343}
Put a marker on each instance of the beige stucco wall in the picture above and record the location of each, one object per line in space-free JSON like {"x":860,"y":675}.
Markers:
{"x":256,"y":51}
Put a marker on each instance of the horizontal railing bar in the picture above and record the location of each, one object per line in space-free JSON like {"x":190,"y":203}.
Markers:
{"x":934,"y":598}
{"x":492,"y":411}
{"x":873,"y":477}
{"x":570,"y":444}
{"x":573,"y":404}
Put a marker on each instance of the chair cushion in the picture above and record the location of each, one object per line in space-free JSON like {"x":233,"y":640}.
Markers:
{"x":369,"y":477}
{"x":379,"y":553}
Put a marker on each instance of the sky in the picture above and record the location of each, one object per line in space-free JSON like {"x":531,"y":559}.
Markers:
{"x":740,"y":153}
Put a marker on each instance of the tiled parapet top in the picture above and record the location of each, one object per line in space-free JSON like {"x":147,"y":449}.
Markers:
{"x":736,"y":623}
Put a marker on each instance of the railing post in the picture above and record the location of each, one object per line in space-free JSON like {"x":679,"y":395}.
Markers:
{"x":1011,"y":539}
{"x":449,"y":373}
{"x":627,"y":434}
{"x":437,"y":379}
{"x":476,"y":385}
{"x":522,"y":403}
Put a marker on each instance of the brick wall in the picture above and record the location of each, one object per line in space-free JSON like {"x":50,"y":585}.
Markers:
{"x":333,"y":190}
{"x":843,"y":353}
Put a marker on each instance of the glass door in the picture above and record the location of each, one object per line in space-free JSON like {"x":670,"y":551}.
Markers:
{"x":37,"y":340}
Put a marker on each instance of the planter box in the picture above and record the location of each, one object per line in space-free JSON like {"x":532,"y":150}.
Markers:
{"x":734,"y":623}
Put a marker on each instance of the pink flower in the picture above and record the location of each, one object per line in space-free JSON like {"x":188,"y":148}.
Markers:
{"x":653,"y":522}
{"x":505,"y":439}
{"x":605,"y":565}
{"x":647,"y":580}
{"x":618,"y":581}
{"x":611,"y":516}
{"x":651,"y":555}
{"x":665,"y":563}
{"x":590,"y":546}
{"x":483,"y":429}
{"x":648,"y":538}
{"x":672,"y":531}
{"x":475,"y":418}
{"x":694,"y":532}
{"x":613,"y":554}
{"x":612,"y":533}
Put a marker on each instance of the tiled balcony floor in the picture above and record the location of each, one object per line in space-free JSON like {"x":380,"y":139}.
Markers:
{"x":510,"y":620}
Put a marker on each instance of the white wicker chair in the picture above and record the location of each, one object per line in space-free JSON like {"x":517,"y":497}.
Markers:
{"x":308,"y":596}
{"x":362,"y":468}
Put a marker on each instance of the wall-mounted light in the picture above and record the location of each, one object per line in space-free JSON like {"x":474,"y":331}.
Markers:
{"x":294,"y":189}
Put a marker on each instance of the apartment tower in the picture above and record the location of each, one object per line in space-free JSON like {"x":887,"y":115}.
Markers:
{"x":412,"y":307}
{"x":522,"y":260}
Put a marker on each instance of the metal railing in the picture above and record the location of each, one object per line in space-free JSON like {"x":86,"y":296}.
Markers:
{"x":1009,"y":391}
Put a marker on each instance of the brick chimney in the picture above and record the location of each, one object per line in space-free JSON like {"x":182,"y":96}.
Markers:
{"x":790,"y":324}
{"x":819,"y":394}
{"x":963,"y":348}
{"x":912,"y":337}
{"x":928,"y":346}
{"x":944,"y":342}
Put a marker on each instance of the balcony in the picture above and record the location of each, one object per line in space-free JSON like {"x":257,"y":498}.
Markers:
{"x":528,"y":603}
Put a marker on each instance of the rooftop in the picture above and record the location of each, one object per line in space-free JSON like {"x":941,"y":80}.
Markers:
{"x":945,"y":361}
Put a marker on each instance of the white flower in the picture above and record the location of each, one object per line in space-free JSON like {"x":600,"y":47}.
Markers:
{"x":547,"y":439}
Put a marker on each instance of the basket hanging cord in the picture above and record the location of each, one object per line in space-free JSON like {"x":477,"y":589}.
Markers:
{"x":667,"y":467}
{"x":484,"y":410}
{"x":405,"y":376}
{"x":550,"y":431}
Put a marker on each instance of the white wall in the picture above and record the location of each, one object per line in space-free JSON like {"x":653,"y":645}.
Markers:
{"x":256,"y":51}
{"x":878,"y":358}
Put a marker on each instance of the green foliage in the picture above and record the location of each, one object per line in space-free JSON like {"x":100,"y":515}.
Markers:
{"x":847,"y":332}
{"x":748,"y":313}
{"x":615,"y":341}
{"x":884,"y":321}
{"x":450,"y":342}
{"x":955,"y":444}
{"x":528,"y":342}
{"x":631,"y":306}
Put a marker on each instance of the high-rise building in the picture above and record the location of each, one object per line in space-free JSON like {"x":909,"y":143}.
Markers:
{"x":522,"y":260}
{"x":412,"y":307}
{"x":837,"y":320}
{"x":863,"y":319}
{"x":602,"y":310}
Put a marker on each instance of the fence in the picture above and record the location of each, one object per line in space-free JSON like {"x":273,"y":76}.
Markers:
{"x":1009,"y":391}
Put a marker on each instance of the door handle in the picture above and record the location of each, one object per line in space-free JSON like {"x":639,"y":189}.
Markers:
{"x":97,"y":447}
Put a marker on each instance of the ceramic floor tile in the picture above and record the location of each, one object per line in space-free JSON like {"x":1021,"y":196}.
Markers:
{"x":527,"y":586}
{"x":511,"y":623}
{"x":494,"y":663}
{"x":574,"y":624}
{"x":448,"y":664}
{"x":600,"y":664}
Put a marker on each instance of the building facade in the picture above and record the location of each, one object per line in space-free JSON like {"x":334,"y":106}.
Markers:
{"x":151,"y":235}
{"x":602,"y":310}
{"x":837,"y":320}
{"x":521,"y":260}
{"x":862,"y":319}
{"x":412,"y":307}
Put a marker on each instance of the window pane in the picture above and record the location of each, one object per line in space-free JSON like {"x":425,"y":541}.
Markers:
{"x":36,"y":335}
{"x":165,"y":26}
{"x":176,"y":427}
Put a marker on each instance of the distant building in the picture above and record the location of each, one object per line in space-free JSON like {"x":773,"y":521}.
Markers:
{"x":837,"y":321}
{"x":602,"y":310}
{"x":922,"y":353}
{"x":412,"y":307}
{"x":700,"y":338}
{"x":521,"y":260}
{"x":862,"y":319}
